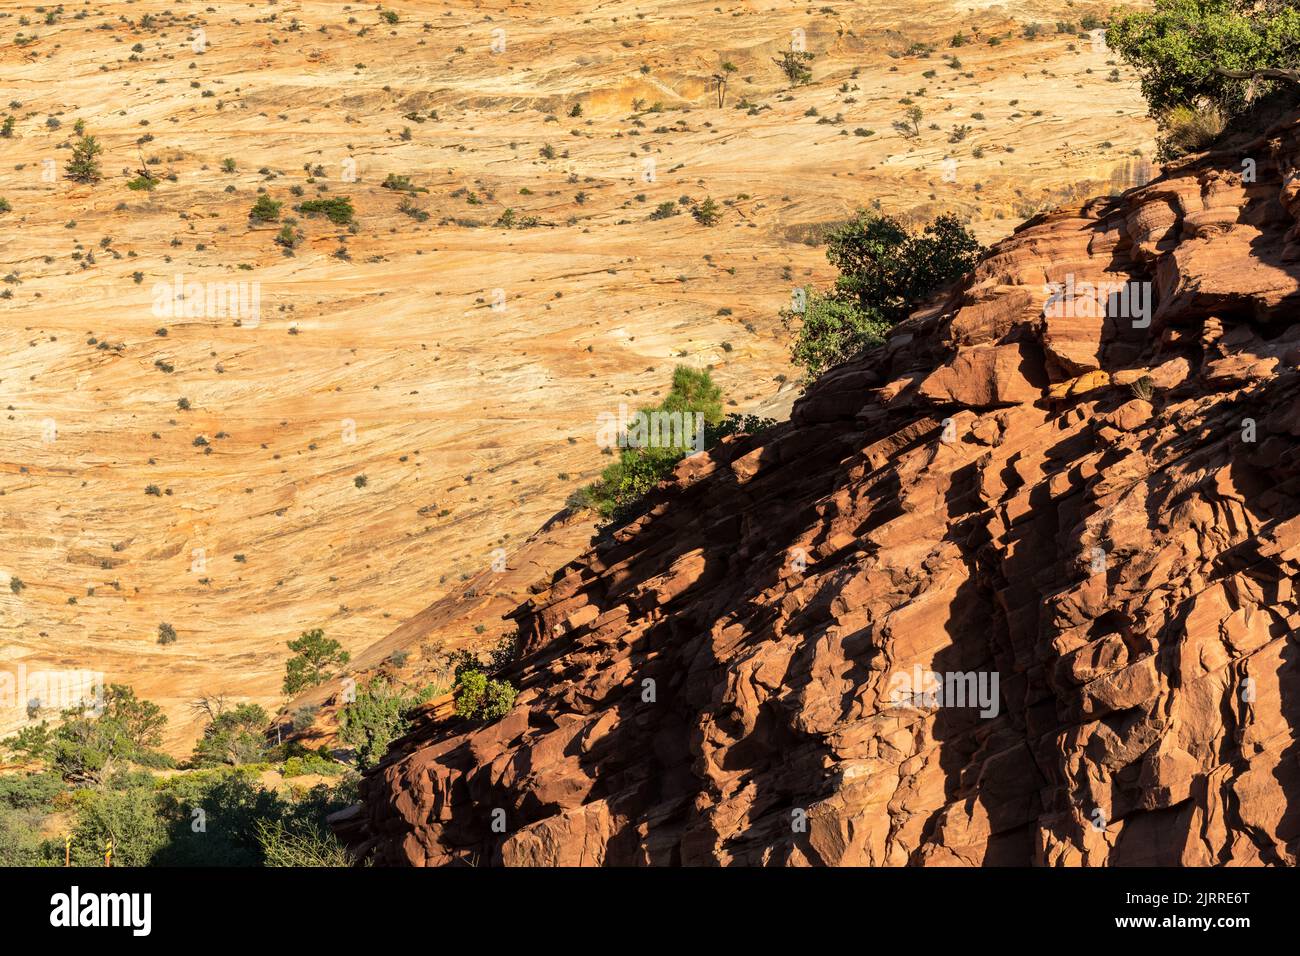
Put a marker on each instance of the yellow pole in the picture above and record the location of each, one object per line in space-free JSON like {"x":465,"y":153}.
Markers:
{"x":108,"y":853}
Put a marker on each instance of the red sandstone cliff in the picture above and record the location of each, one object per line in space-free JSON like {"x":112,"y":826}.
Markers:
{"x":1124,"y":566}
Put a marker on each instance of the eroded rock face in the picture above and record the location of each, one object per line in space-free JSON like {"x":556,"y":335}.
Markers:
{"x":1098,"y":509}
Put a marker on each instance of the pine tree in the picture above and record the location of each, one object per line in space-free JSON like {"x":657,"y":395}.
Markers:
{"x":84,"y":167}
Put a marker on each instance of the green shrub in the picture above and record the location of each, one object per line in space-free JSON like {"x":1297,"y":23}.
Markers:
{"x":303,"y":717}
{"x":498,"y":698}
{"x":304,"y":844}
{"x":481,"y":698}
{"x":82,"y":748}
{"x":795,"y":65}
{"x":265,"y":209}
{"x":337,"y":210}
{"x":377,"y":717}
{"x":885,"y":272}
{"x":664,"y":210}
{"x":216,"y":817}
{"x":30,"y":791}
{"x":128,"y":818}
{"x":211,"y":817}
{"x":30,"y":743}
{"x":736,"y":424}
{"x":470,"y":689}
{"x":621,"y":486}
{"x":85,"y":747}
{"x":1189,"y":129}
{"x":20,"y":839}
{"x":832,"y":331}
{"x":311,"y":763}
{"x":235,"y":810}
{"x":707,"y":213}
{"x":1144,"y":388}
{"x":401,"y":184}
{"x":236,"y":736}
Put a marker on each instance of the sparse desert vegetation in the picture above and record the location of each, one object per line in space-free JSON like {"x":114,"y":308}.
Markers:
{"x":438,"y":279}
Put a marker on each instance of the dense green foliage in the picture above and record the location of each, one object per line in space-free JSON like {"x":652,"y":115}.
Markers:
{"x":24,"y":801}
{"x":125,"y":814}
{"x":94,"y":789}
{"x":265,"y":209}
{"x":479,"y":697}
{"x":641,"y":465}
{"x":1181,"y":48}
{"x":86,"y":746}
{"x":236,"y":736}
{"x":707,"y":213}
{"x":377,"y":717}
{"x":833,"y":330}
{"x":337,"y":210}
{"x":885,"y":272}
{"x":210,"y":818}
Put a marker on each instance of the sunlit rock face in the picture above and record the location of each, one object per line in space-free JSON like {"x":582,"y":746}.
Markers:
{"x":1014,"y":588}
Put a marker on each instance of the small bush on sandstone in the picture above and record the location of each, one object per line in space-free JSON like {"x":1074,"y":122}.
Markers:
{"x":795,"y":65}
{"x":337,"y":210}
{"x":707,"y":213}
{"x":265,"y":209}
{"x":664,"y":210}
{"x":832,"y":331}
{"x":643,"y":462}
{"x":1190,"y":129}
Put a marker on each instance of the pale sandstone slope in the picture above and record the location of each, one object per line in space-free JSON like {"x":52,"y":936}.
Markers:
{"x":472,"y":426}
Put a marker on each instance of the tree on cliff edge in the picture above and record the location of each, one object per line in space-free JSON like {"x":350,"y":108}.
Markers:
{"x":885,"y":272}
{"x":1201,"y":62}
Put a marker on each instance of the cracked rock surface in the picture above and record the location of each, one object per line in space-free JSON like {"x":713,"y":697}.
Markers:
{"x":1102,"y":511}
